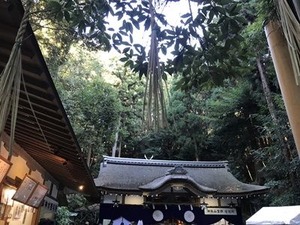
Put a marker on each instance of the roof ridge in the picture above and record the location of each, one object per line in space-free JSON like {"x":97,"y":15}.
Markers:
{"x":167,"y":163}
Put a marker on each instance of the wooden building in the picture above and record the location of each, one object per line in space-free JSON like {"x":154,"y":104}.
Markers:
{"x":47,"y":161}
{"x":171,"y":192}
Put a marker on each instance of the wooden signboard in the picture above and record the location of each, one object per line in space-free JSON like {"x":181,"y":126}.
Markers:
{"x":37,"y":196}
{"x":4,"y":167}
{"x":30,"y":192}
{"x":25,"y":190}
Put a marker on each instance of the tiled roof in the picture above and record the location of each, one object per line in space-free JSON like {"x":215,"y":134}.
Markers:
{"x":142,"y":175}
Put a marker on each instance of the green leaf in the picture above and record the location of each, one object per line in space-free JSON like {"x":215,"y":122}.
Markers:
{"x":186,"y":15}
{"x":124,"y":59}
{"x":123,"y":33}
{"x":164,"y":49}
{"x":241,"y":20}
{"x":235,"y":27}
{"x":119,"y":15}
{"x":116,"y":37}
{"x":142,"y":18}
{"x":161,"y":18}
{"x":193,"y":31}
{"x":231,"y":8}
{"x":129,"y":27}
{"x":139,"y":48}
{"x":211,"y":16}
{"x":170,"y":32}
{"x":136,"y":23}
{"x":200,"y":18}
{"x":126,"y":49}
{"x":147,"y":23}
{"x":69,"y":4}
{"x":145,"y":4}
{"x":60,"y":16}
{"x":54,"y":6}
{"x":224,"y":26}
{"x":220,"y":9}
{"x":189,"y":20}
{"x":67,"y":16}
{"x":126,"y":43}
{"x":129,"y":63}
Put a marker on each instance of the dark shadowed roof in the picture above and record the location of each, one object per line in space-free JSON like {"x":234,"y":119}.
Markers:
{"x":56,"y":148}
{"x":129,"y":175}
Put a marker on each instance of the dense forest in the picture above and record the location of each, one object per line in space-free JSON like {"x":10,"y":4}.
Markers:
{"x":203,"y":89}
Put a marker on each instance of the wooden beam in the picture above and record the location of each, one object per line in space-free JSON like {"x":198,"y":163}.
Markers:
{"x":285,"y":75}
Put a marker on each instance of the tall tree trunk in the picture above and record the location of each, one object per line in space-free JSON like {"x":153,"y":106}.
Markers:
{"x":120,"y":147}
{"x":89,"y":156}
{"x":267,"y":91}
{"x":115,"y":146}
{"x":272,"y":110}
{"x":196,"y":149}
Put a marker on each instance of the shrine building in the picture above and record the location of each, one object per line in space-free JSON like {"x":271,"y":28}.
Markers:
{"x":142,"y":191}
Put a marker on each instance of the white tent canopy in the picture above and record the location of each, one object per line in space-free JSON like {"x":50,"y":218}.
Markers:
{"x":280,"y":215}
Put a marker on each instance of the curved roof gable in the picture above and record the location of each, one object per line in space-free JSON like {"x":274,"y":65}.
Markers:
{"x":128,"y":175}
{"x":176,"y":176}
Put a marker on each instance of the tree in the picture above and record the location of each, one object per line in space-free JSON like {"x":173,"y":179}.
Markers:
{"x":130,"y":92}
{"x":215,"y":30}
{"x":186,"y":122}
{"x":83,"y":20}
{"x":63,"y":216}
{"x":91,"y":104}
{"x":232,"y":110}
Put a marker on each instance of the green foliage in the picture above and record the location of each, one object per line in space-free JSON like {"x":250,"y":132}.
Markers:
{"x":76,"y":201}
{"x":204,"y":46}
{"x":83,"y":208}
{"x":159,"y":144}
{"x":231,"y":111}
{"x":84,"y":19}
{"x":63,"y":216}
{"x":185,"y":138}
{"x":130,"y":92}
{"x":200,"y":44}
{"x":220,"y":23}
{"x":186,"y":119}
{"x":91,"y":104}
{"x":54,"y":41}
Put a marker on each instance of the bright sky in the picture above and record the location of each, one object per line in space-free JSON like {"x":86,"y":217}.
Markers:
{"x":172,"y":11}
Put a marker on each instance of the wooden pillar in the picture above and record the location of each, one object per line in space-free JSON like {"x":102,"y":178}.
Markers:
{"x":285,"y":75}
{"x":297,"y":8}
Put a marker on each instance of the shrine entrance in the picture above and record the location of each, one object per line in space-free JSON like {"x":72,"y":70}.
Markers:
{"x":169,"y":215}
{"x":173,"y":222}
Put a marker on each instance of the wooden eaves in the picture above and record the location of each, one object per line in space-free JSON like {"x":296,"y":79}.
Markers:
{"x":55,"y":147}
